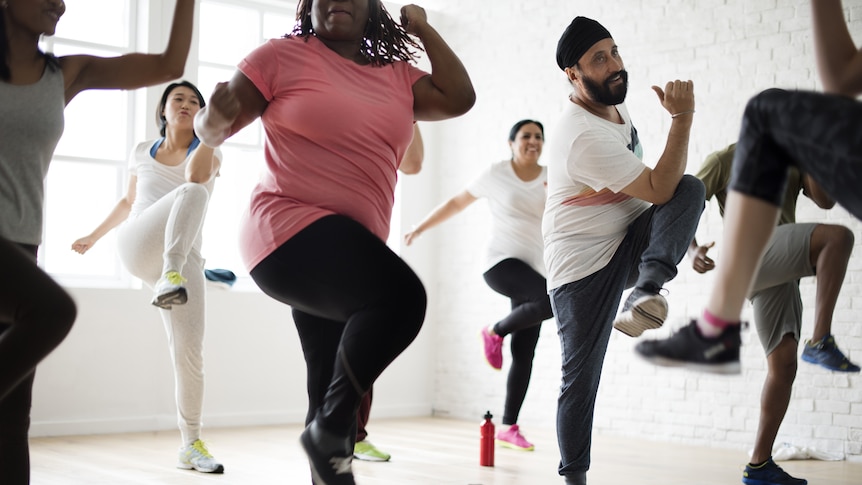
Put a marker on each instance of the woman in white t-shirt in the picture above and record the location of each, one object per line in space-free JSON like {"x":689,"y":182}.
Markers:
{"x":516,"y":191}
{"x":160,"y":220}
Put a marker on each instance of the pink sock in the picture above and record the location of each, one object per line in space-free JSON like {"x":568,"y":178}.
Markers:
{"x":712,"y":326}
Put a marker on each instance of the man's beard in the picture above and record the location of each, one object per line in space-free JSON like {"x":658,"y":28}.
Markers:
{"x":603,"y":93}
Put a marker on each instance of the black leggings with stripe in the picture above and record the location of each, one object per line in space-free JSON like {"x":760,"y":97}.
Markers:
{"x":356,"y":306}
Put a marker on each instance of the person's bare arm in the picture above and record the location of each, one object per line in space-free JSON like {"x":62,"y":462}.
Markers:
{"x":658,"y":185}
{"x":414,"y":156}
{"x":203,"y":165}
{"x":839,"y":62}
{"x":135,"y":70}
{"x":118,"y":214}
{"x":232,"y":106}
{"x":442,"y":213}
{"x":448,"y":91}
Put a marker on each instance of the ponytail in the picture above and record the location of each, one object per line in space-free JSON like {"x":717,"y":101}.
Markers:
{"x":5,"y":73}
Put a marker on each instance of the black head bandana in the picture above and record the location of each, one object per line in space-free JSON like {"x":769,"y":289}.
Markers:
{"x":578,"y":38}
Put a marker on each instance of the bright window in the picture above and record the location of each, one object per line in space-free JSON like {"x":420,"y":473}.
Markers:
{"x":89,"y":172}
{"x":243,"y":161}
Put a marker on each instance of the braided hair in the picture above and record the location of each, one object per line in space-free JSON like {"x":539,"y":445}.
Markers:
{"x":383,"y":42}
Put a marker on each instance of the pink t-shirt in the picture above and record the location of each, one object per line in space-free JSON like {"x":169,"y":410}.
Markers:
{"x":335,"y":134}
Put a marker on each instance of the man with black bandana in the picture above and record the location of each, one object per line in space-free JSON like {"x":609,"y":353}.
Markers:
{"x":610,"y":223}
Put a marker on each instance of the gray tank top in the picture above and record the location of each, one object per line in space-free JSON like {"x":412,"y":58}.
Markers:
{"x":31,"y":123}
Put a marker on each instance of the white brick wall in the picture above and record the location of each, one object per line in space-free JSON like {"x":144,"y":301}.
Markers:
{"x":732,"y":49}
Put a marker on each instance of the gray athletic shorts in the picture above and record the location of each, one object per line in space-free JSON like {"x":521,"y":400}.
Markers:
{"x":775,"y":291}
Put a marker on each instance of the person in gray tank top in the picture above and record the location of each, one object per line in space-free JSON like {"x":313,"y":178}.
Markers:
{"x":36,"y":314}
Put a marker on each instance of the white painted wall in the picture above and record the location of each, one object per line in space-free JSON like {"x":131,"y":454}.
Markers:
{"x":731,"y":49}
{"x":113,"y":374}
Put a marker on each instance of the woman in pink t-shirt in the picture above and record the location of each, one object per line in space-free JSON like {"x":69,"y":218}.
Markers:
{"x":337,"y":98}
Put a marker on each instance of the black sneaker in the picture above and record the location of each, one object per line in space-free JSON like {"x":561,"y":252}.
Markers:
{"x":769,"y":474}
{"x":643,"y":310}
{"x":327,"y":468}
{"x":688,"y":348}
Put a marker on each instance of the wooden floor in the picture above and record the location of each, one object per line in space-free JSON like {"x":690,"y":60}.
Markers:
{"x":424,"y":451}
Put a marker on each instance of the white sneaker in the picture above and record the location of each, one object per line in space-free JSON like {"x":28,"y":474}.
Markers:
{"x":170,"y":291}
{"x":196,"y":457}
{"x":642,"y":311}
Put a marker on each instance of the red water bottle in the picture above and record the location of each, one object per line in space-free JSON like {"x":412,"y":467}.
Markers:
{"x":486,"y":444}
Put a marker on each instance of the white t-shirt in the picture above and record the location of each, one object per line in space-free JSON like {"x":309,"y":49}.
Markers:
{"x":156,"y":179}
{"x":586,"y":217}
{"x":516,"y":214}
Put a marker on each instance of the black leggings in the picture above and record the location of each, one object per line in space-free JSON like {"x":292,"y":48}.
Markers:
{"x":35,"y":316}
{"x":818,"y":133}
{"x":531,"y":305}
{"x":356,"y":306}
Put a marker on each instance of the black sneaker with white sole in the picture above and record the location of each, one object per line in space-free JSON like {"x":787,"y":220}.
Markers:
{"x":688,"y":348}
{"x":331,"y":463}
{"x":643,"y":310}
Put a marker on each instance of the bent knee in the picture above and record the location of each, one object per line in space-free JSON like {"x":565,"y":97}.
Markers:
{"x":782,"y":360}
{"x":64,"y":311}
{"x":692,"y":187}
{"x":842,"y":237}
{"x":193,"y":189}
{"x":766,"y":97}
{"x":410,"y":302}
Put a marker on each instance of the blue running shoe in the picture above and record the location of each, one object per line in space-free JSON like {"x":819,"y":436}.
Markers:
{"x":769,"y":474}
{"x":825,"y":353}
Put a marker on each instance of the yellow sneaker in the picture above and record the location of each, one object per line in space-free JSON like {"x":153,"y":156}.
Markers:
{"x":366,"y":451}
{"x":196,"y":457}
{"x":169,"y":291}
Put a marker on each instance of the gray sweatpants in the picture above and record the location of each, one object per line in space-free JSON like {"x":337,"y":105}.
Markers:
{"x":167,"y":236}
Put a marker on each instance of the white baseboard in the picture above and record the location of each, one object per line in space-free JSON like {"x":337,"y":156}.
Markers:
{"x":137,"y":424}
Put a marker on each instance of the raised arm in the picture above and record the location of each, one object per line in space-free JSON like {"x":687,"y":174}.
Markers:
{"x":838,"y":59}
{"x":441,"y":214}
{"x":448,"y":91}
{"x":232,"y":106}
{"x":203,"y":165}
{"x":658,"y":185}
{"x":414,"y":156}
{"x":136,"y":70}
{"x":119,"y":214}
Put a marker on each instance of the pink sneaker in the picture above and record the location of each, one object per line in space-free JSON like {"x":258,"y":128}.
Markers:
{"x":493,"y":349}
{"x":512,"y":438}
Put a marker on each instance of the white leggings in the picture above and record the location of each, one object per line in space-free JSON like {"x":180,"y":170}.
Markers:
{"x":167,"y":237}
